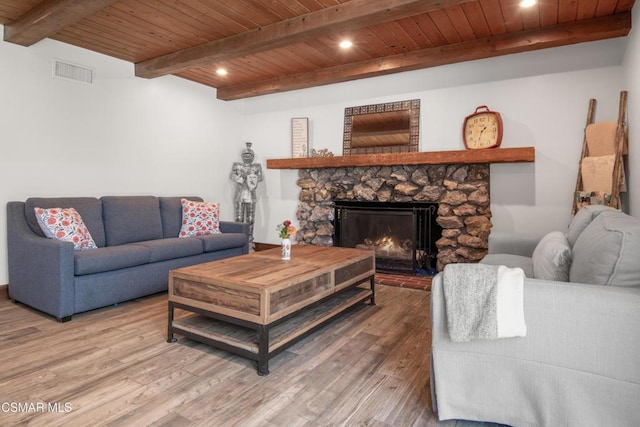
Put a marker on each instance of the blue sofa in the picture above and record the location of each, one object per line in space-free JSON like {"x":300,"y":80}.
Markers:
{"x":137,"y":239}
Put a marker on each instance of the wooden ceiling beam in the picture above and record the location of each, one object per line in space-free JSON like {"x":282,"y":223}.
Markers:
{"x":349,"y":15}
{"x":605,"y":27}
{"x":49,"y":17}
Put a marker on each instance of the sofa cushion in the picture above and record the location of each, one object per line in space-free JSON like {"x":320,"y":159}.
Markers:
{"x":552,"y":258}
{"x":582,"y":219}
{"x":512,"y":261}
{"x":199,"y":218}
{"x":89,"y":208}
{"x":65,"y":224}
{"x":217,"y":242}
{"x":109,"y":258}
{"x":608,"y":251}
{"x":171,"y":248}
{"x":171,"y":214}
{"x":129,"y":219}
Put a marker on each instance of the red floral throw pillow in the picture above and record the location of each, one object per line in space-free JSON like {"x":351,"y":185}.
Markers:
{"x":65,"y":224}
{"x":199,"y":218}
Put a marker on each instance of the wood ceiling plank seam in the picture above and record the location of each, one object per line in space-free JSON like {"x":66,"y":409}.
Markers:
{"x":166,"y":38}
{"x":530,"y":17}
{"x":444,"y":25}
{"x":594,"y":29}
{"x":428,"y":27}
{"x":88,"y":37}
{"x":160,"y":23}
{"x":144,"y":41}
{"x":114,"y":32}
{"x":327,"y":47}
{"x":328,"y":54}
{"x":369,"y":41}
{"x":493,"y":14}
{"x":287,"y":62}
{"x":567,"y":11}
{"x":549,"y":10}
{"x":460,"y":23}
{"x":203,"y":80}
{"x":606,"y":7}
{"x":415,"y":32}
{"x":511,"y":15}
{"x":353,"y":54}
{"x":401,"y":36}
{"x":476,"y":18}
{"x":298,"y":7}
{"x":586,"y":9}
{"x":279,"y":65}
{"x":388,"y":40}
{"x":230,"y":26}
{"x":314,"y":57}
{"x":323,"y":4}
{"x":275,"y":10}
{"x":249,"y":64}
{"x":96,"y":42}
{"x":240,"y":18}
{"x":194,"y":20}
{"x":256,"y":66}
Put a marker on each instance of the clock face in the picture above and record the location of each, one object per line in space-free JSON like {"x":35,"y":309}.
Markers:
{"x":482,"y":130}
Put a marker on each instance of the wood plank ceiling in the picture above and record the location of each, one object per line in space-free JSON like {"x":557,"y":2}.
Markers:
{"x":270,"y":46}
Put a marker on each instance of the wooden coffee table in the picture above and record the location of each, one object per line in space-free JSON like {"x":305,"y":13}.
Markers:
{"x":257,"y":305}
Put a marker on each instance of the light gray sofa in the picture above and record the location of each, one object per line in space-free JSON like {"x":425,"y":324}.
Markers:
{"x":137,"y":239}
{"x":579,"y":363}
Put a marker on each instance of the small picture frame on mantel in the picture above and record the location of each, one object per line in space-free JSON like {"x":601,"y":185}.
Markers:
{"x":299,"y":137}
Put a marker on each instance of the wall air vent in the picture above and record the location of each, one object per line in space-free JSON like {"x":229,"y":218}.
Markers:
{"x":68,"y":71}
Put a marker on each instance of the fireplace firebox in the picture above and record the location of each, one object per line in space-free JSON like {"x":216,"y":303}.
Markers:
{"x":403,"y":235}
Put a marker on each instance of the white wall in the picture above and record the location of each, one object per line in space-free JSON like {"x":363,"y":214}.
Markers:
{"x":543,"y":97}
{"x":168,"y":136}
{"x":632,"y":83}
{"x":121,"y":135}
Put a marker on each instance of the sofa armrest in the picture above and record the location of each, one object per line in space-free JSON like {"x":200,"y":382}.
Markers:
{"x":522,"y":244}
{"x":234,"y":227}
{"x":41,"y":270}
{"x":579,"y":337}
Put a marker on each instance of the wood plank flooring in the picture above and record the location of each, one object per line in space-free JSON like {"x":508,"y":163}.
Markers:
{"x":113,"y":367}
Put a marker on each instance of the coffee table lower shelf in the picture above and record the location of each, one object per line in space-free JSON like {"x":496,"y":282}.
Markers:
{"x":261,"y":342}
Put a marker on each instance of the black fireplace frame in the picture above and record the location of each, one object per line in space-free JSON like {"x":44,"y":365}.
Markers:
{"x":426,"y":230}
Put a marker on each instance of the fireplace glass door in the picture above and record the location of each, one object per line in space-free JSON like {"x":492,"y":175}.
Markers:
{"x":401,"y":234}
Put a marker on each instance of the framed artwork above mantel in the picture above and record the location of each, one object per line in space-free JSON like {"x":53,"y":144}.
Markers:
{"x":392,"y":127}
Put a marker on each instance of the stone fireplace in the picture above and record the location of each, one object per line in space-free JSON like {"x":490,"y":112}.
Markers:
{"x":460,"y":190}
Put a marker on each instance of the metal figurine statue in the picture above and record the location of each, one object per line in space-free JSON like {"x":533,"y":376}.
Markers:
{"x":246,"y":175}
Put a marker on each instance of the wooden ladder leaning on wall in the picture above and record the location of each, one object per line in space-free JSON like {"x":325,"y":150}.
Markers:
{"x":601,"y":176}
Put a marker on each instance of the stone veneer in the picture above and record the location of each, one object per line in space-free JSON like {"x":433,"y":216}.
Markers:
{"x":462,"y":192}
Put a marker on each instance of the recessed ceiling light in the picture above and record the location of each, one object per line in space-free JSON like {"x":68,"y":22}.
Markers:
{"x":221,"y":72}
{"x":527,"y":3}
{"x":346,"y":44}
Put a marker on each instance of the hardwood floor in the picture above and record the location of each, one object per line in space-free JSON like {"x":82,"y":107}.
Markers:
{"x":114,"y":367}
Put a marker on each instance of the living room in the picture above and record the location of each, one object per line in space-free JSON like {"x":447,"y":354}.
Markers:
{"x":124,"y":135}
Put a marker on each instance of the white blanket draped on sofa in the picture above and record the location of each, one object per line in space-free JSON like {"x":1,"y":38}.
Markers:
{"x":484,"y":301}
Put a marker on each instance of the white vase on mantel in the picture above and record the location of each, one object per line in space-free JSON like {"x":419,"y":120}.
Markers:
{"x":286,"y":248}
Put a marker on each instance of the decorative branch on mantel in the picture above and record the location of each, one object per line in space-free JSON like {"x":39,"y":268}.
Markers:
{"x":493,"y":155}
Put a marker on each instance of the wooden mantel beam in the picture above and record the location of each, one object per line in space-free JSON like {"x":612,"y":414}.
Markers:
{"x":570,"y":33}
{"x":490,"y":155}
{"x":349,"y":15}
{"x":49,"y":17}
